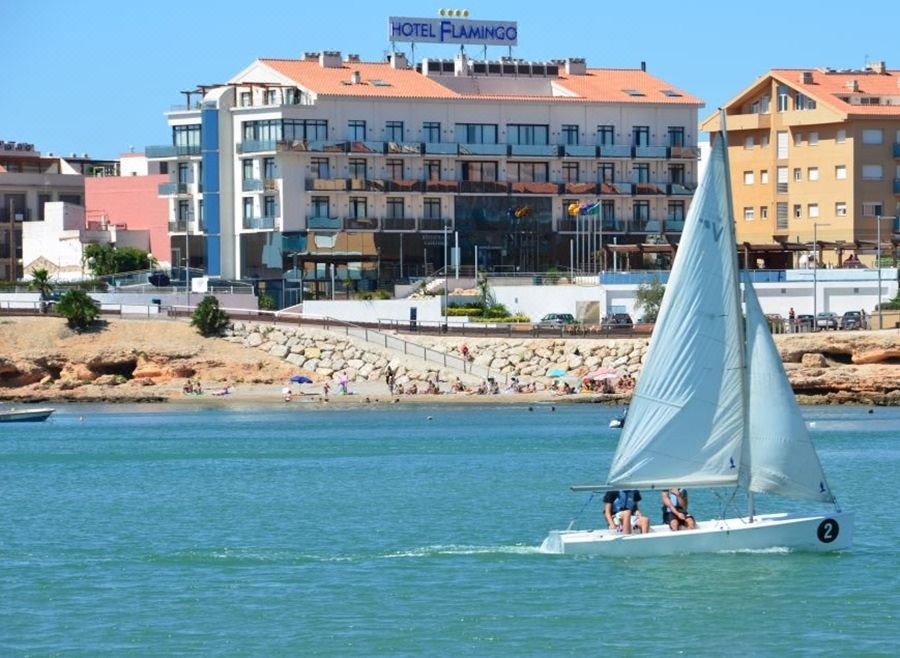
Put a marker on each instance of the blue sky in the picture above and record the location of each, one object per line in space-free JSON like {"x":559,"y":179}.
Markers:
{"x":95,"y":76}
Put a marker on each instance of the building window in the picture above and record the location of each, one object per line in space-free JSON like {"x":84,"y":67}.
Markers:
{"x":812,"y":210}
{"x":358,"y":168}
{"x":308,"y":129}
{"x":247,"y":169}
{"x":872,"y":136}
{"x":432,"y":208}
{"x":798,"y":174}
{"x":528,"y":172}
{"x":748,"y":178}
{"x":269,"y":169}
{"x":764,"y":104}
{"x":798,"y":139}
{"x":479,"y":171}
{"x":320,"y":206}
{"x":319,"y":167}
{"x":272,"y":97}
{"x":764,"y":141}
{"x":432,"y":170}
{"x":782,"y":98}
{"x":359,"y":207}
{"x":676,"y":174}
{"x":184,"y":173}
{"x":608,"y":211}
{"x":781,"y":183}
{"x":431,"y":132}
{"x":248,"y":207}
{"x":872,"y":209}
{"x":245,"y":99}
{"x":269,"y":130}
{"x":356,"y":130}
{"x":748,"y":143}
{"x":394,"y":169}
{"x":841,"y":136}
{"x":676,"y":136}
{"x":748,"y":214}
{"x":641,"y":172}
{"x":641,"y":212}
{"x":764,"y":212}
{"x":393,"y":131}
{"x":606,"y":135}
{"x":764,"y":176}
{"x":813,"y":139}
{"x":570,"y":172}
{"x":812,"y":173}
{"x":184,"y":209}
{"x":840,"y":172}
{"x":269,"y":205}
{"x":186,"y":139}
{"x":782,"y":144}
{"x":781,"y":215}
{"x":872,"y":172}
{"x":526,"y":133}
{"x":798,"y":211}
{"x":641,"y":135}
{"x":840,"y":209}
{"x":395,"y":208}
{"x":676,"y":211}
{"x":606,"y":172}
{"x":476,"y":133}
{"x":570,"y":134}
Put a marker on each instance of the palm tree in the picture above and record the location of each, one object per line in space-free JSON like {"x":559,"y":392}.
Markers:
{"x":78,"y":308}
{"x":40,"y":281}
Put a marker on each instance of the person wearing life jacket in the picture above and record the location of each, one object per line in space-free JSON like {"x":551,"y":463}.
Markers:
{"x":621,"y":511}
{"x":675,"y":509}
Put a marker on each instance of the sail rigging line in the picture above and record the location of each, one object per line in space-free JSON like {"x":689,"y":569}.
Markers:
{"x":581,"y":511}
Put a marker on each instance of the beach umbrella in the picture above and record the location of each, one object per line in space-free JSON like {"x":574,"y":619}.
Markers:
{"x":604,"y":373}
{"x":556,"y":372}
{"x":300,"y":379}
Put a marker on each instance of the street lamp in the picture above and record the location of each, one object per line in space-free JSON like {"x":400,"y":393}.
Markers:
{"x":446,"y":275}
{"x":816,"y":225}
{"x":878,"y":219}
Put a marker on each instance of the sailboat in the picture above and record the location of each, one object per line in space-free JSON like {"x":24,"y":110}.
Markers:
{"x":713,"y":409}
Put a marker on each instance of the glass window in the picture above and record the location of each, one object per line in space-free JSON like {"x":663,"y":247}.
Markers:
{"x":676,"y":174}
{"x":748,"y":214}
{"x":748,"y":142}
{"x":245,"y":99}
{"x":528,"y":172}
{"x":782,"y":143}
{"x":358,"y":207}
{"x":748,"y":178}
{"x":841,"y":136}
{"x":432,"y":170}
{"x":641,"y":211}
{"x":570,"y":134}
{"x":641,"y":135}
{"x":764,"y":212}
{"x":840,"y":209}
{"x":432,"y":208}
{"x":605,"y":172}
{"x":431,"y":132}
{"x":356,"y":130}
{"x":764,"y":176}
{"x":320,"y":206}
{"x":358,"y":168}
{"x":319,"y":167}
{"x":872,"y":209}
{"x":272,"y":97}
{"x":813,"y":138}
{"x":570,"y":172}
{"x":872,"y":172}
{"x":872,"y":136}
{"x":184,"y":210}
{"x":812,"y":210}
{"x":642,"y":172}
{"x":269,"y":205}
{"x":269,"y":169}
{"x":764,"y":141}
{"x":248,"y":207}
{"x":798,"y":174}
{"x":247,"y":169}
{"x":782,"y":98}
{"x":185,"y":138}
{"x":798,"y":211}
{"x":479,"y":171}
{"x":476,"y":133}
{"x":676,"y":136}
{"x":184,"y":173}
{"x":676,"y":211}
{"x":812,"y":173}
{"x":606,"y":135}
{"x":798,"y":139}
{"x":395,"y":208}
{"x":840,"y":172}
{"x":308,"y":129}
{"x":393,"y":131}
{"x":394,"y":169}
{"x":526,"y":133}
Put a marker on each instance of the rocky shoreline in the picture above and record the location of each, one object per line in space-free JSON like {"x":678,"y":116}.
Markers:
{"x":148,"y":360}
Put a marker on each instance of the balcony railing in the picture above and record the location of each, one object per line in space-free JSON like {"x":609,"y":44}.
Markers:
{"x":398,"y":224}
{"x":435,"y":224}
{"x":483,"y":187}
{"x":361,"y":224}
{"x":441,"y":186}
{"x":579,"y":151}
{"x":259,"y":222}
{"x":644,"y":225}
{"x":535,"y":150}
{"x":403,"y":185}
{"x":650,"y":151}
{"x":170,"y":151}
{"x":580,"y":188}
{"x":326,"y":184}
{"x":331,"y":223}
{"x":441,"y":148}
{"x":361,"y":148}
{"x":404,"y":148}
{"x":256,"y":145}
{"x":483,"y":149}
{"x":674,"y":225}
{"x":684,"y":152}
{"x":534,"y":188}
{"x":270,"y":184}
{"x":649,"y":188}
{"x":615,"y":151}
{"x":251,"y":185}
{"x":677,"y":189}
{"x":617,"y":188}
{"x":366,"y":185}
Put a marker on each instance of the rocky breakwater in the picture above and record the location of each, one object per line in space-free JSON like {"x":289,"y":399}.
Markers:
{"x":322,"y":354}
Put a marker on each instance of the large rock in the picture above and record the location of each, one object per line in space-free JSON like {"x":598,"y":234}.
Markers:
{"x":813,"y":360}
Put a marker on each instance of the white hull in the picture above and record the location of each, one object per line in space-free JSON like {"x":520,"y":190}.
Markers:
{"x":25,"y":415}
{"x":798,"y":532}
{"x":616,"y":423}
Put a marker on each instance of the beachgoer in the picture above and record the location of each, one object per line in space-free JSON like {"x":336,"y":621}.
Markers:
{"x":621,"y":511}
{"x":675,"y":509}
{"x":413,"y":389}
{"x":389,"y":379}
{"x":464,"y":350}
{"x":188,"y":387}
{"x":343,"y":383}
{"x":325,"y":388}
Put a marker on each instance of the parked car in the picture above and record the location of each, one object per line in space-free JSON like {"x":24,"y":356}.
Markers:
{"x":804,"y":322}
{"x":617,"y":321}
{"x":557,"y":320}
{"x":853,"y":320}
{"x":827,"y":320}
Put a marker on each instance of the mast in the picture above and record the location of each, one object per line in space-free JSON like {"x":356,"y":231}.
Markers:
{"x":731,"y":243}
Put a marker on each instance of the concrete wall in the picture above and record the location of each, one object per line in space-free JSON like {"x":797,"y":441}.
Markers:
{"x":427,"y":310}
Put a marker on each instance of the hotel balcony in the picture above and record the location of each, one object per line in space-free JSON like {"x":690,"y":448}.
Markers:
{"x":748,"y":122}
{"x":658,"y":152}
{"x":534,"y":188}
{"x":404,"y":148}
{"x":483,"y":187}
{"x":403,"y":185}
{"x":363,"y":148}
{"x":360,"y":224}
{"x":259,"y":222}
{"x":170,"y":189}
{"x":398,"y":224}
{"x":483,"y":149}
{"x":617,"y":188}
{"x":251,"y":185}
{"x":256,"y":146}
{"x":684,"y":152}
{"x":435,"y":224}
{"x":677,"y":189}
{"x":170,"y":151}
{"x":649,"y":188}
{"x":441,"y":148}
{"x":579,"y":151}
{"x":535,"y":150}
{"x":674,"y":225}
{"x":438,"y":186}
{"x":581,"y":188}
{"x":329,"y":223}
{"x":327,"y":184}
{"x":615,"y":151}
{"x":270,"y":184}
{"x":590,"y":224}
{"x":644,"y":225}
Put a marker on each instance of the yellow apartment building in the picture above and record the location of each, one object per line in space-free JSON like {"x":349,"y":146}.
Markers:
{"x":815,"y":155}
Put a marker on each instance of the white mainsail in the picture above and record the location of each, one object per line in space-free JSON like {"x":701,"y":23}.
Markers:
{"x":686,"y":419}
{"x":780,"y":456}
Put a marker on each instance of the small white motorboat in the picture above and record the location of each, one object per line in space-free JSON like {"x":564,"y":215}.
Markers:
{"x":619,"y":421}
{"x":25,"y":415}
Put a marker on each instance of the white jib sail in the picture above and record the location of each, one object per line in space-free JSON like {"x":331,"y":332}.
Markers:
{"x":782,"y":459}
{"x":685,"y":421}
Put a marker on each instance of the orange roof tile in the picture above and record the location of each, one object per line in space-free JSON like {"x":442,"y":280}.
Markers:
{"x":828,"y":87}
{"x":597,"y":85}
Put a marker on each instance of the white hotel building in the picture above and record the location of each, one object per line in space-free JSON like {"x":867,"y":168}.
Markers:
{"x":331,"y":161}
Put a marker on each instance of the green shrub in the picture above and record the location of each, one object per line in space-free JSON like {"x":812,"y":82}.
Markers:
{"x":208,"y":318}
{"x":265,"y":303}
{"x":518,"y":317}
{"x":78,"y":308}
{"x":496,"y":311}
{"x":471,"y":311}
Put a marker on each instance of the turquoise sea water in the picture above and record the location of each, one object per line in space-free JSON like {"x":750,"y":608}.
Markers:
{"x":151,"y":530}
